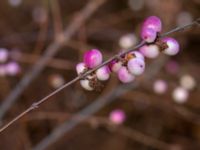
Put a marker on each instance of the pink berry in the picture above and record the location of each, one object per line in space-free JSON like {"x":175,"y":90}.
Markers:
{"x":124,"y":76}
{"x":173,"y":46}
{"x":3,"y":55}
{"x":160,"y":86}
{"x":136,"y":66}
{"x":93,"y":58}
{"x":12,"y":68}
{"x":103,"y":73}
{"x":150,"y":51}
{"x":117,"y":116}
{"x":148,"y":34}
{"x":153,"y":22}
{"x":80,"y":68}
{"x":115,"y":65}
{"x":138,"y":54}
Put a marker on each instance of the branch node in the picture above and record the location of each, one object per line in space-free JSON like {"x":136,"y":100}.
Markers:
{"x":34,"y":105}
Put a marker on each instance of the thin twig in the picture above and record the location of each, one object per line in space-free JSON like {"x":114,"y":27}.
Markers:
{"x":51,"y":50}
{"x":33,"y":58}
{"x":96,"y":121}
{"x":168,"y":106}
{"x":36,"y":104}
{"x":94,"y":26}
{"x":42,"y":35}
{"x":55,"y":8}
{"x":144,"y":139}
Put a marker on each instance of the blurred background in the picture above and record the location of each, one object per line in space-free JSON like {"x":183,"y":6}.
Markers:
{"x":161,"y":112}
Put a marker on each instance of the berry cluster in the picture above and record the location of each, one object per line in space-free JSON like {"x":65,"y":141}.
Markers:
{"x":151,"y":29}
{"x":7,"y":66}
{"x":92,"y":59}
{"x":130,"y":65}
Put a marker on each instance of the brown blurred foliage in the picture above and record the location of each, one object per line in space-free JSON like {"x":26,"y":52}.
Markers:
{"x":29,"y":27}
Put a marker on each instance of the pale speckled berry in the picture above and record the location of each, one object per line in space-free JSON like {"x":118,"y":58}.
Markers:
{"x":136,"y":66}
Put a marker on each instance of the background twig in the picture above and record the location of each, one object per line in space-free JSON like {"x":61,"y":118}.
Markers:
{"x":51,"y":50}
